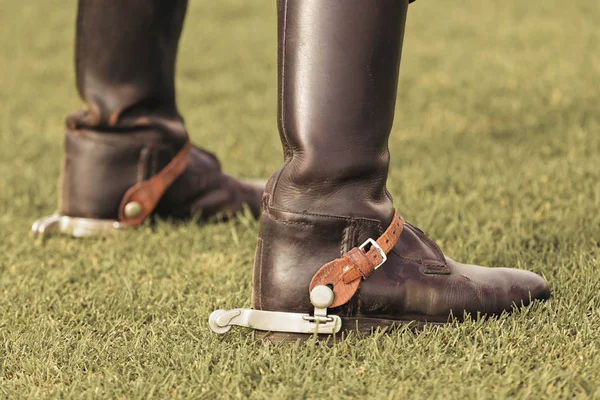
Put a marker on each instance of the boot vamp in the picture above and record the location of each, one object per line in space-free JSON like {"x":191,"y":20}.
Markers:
{"x":203,"y":189}
{"x":412,"y":285}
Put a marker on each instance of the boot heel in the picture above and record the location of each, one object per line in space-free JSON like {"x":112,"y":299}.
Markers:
{"x":101,"y":166}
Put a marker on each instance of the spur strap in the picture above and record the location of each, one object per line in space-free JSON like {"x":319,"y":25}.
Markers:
{"x":345,"y":274}
{"x":143,"y":197}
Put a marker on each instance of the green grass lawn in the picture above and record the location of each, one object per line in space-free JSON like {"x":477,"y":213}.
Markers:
{"x":495,"y":154}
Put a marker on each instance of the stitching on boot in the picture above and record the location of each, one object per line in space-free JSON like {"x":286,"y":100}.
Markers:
{"x":366,"y":224}
{"x":351,"y":236}
{"x":344,"y":244}
{"x":437,"y":267}
{"x":274,"y":218}
{"x":364,"y":220}
{"x":422,"y":261}
{"x":349,"y":240}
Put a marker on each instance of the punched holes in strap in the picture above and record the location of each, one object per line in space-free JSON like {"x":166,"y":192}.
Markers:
{"x":143,"y":197}
{"x":345,"y":274}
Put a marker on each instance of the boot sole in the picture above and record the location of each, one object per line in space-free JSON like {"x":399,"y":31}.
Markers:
{"x":358,"y":326}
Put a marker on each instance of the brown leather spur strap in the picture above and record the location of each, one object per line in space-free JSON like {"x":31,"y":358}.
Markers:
{"x":346,"y":273}
{"x":148,"y":193}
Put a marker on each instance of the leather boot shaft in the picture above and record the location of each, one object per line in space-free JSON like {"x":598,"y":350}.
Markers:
{"x":125,"y":70}
{"x":338,"y":71}
{"x":125,"y":65}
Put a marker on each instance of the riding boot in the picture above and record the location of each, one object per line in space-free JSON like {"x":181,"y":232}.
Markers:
{"x":328,"y":219}
{"x":128,"y":154}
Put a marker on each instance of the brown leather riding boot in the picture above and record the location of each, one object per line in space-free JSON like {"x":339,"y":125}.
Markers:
{"x":338,"y":70}
{"x":128,"y":155}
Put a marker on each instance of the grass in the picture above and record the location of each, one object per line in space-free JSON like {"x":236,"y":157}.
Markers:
{"x":495,"y":149}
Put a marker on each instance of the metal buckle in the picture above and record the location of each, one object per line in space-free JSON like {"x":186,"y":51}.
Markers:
{"x":373,"y":243}
{"x":76,"y":227}
{"x":221,"y":321}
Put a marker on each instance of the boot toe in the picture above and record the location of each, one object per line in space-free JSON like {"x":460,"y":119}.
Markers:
{"x":533,"y":286}
{"x":503,"y":289}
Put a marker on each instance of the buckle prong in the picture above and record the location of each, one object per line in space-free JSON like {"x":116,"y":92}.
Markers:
{"x":373,"y":243}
